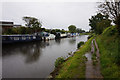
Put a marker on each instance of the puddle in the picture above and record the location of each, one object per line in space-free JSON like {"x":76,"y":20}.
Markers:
{"x":88,"y":56}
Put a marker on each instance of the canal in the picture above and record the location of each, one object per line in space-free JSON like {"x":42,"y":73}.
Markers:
{"x":35,"y":59}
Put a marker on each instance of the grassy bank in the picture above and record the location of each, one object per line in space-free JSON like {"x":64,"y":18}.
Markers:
{"x":74,"y":67}
{"x":108,"y":43}
{"x":85,"y":33}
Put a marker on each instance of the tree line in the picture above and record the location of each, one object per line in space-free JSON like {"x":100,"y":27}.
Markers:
{"x":33,"y":25}
{"x":108,"y":12}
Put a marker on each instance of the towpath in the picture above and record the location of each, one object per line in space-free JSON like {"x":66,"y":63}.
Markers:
{"x":93,"y":71}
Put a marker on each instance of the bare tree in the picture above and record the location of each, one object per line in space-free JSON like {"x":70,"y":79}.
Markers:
{"x":111,"y":8}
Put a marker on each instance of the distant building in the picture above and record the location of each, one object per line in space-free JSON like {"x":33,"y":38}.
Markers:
{"x":6,"y":25}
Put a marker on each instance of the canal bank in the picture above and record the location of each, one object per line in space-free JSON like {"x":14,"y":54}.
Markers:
{"x":74,"y":66}
{"x":102,"y":63}
{"x":36,"y":59}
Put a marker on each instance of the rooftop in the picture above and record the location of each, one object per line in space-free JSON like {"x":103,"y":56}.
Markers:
{"x":7,"y":23}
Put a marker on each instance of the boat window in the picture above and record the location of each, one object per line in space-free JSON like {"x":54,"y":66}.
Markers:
{"x":34,"y":37}
{"x":23,"y":38}
{"x":16,"y":38}
{"x":29,"y":37}
{"x":11,"y":38}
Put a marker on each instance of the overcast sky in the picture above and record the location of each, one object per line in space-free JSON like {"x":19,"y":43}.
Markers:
{"x":52,"y":14}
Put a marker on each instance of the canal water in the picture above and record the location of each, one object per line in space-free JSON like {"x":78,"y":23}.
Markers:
{"x":35,"y":59}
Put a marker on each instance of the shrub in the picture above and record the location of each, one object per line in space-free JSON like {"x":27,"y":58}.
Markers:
{"x":59,"y":61}
{"x":80,"y":44}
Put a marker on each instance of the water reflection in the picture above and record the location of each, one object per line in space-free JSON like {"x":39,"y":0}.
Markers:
{"x":58,"y":41}
{"x":31,"y":51}
{"x":72,"y":40}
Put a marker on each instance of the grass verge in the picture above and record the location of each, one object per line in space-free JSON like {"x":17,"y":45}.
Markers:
{"x":74,"y":67}
{"x":108,"y":44}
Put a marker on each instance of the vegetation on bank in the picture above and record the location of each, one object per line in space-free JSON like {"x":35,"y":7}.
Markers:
{"x":74,"y":67}
{"x":59,"y":61}
{"x":80,"y":44}
{"x":108,"y":37}
{"x":86,"y":33}
{"x":109,"y":48}
{"x":108,"y":43}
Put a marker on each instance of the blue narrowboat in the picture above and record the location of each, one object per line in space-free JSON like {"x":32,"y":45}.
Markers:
{"x":19,"y":38}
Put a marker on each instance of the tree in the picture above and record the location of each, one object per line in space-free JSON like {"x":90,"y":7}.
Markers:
{"x":72,"y":28}
{"x":29,"y":30}
{"x":15,"y":30}
{"x":102,"y":25}
{"x":95,"y":20}
{"x":78,"y":30}
{"x":32,"y":22}
{"x":111,"y":8}
{"x":22,"y":30}
{"x":47,"y":30}
{"x":57,"y":30}
{"x":8,"y":31}
{"x":53,"y":31}
{"x":43,"y":29}
{"x":63,"y":31}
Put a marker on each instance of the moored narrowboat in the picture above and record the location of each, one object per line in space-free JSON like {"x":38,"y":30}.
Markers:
{"x":19,"y":38}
